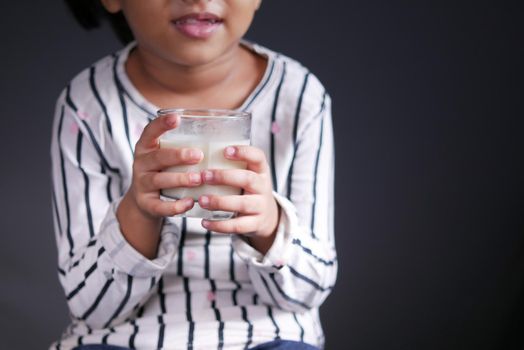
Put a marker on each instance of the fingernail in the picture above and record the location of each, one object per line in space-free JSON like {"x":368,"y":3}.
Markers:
{"x":195,"y":154}
{"x":204,"y":200}
{"x":230,"y":151}
{"x":190,"y":153}
{"x":188,"y":202}
{"x":208,"y":175}
{"x":170,"y":121}
{"x":194,"y":178}
{"x":205,"y":223}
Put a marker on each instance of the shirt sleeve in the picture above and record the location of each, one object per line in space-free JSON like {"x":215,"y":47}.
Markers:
{"x":104,"y":278}
{"x":299,"y":270}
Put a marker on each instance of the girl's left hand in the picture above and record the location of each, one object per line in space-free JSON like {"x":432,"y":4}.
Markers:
{"x":258,"y":211}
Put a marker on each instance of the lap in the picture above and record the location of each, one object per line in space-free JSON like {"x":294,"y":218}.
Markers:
{"x":273,"y":345}
{"x":284,"y":345}
{"x":99,"y":347}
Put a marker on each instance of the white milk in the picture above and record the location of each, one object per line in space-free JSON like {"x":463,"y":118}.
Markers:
{"x":213,"y":150}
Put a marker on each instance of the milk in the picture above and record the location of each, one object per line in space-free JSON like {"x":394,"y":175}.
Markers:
{"x":213,"y":150}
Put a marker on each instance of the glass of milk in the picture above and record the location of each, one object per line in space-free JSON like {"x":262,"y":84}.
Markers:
{"x":210,"y":130}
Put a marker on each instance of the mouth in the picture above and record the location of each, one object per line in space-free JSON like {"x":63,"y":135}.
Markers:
{"x":198,"y":25}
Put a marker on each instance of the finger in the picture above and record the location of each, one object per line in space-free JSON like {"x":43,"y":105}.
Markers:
{"x":162,"y":158}
{"x":246,"y":179}
{"x":158,"y":207}
{"x":149,"y":138}
{"x":247,"y":204}
{"x":153,"y":181}
{"x":239,"y":225}
{"x":253,"y":156}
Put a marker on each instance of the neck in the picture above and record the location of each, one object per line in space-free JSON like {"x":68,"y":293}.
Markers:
{"x":171,"y":78}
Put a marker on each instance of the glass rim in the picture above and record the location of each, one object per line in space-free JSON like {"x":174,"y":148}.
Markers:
{"x":203,"y":113}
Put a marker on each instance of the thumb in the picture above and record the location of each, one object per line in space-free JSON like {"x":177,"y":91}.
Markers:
{"x":152,"y":132}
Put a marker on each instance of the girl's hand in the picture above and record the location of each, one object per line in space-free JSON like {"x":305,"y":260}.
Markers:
{"x":148,"y":178}
{"x":258,"y":212}
{"x":141,"y":210}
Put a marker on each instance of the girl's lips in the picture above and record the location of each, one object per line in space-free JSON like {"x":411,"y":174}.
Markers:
{"x":198,"y":25}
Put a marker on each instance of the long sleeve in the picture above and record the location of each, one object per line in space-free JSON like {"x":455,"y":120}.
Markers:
{"x":104,"y":279}
{"x":299,"y":270}
{"x":203,"y":289}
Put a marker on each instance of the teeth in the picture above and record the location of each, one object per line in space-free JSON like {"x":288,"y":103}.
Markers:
{"x":196,"y":21}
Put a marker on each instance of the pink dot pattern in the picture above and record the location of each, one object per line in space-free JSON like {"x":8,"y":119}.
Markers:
{"x":190,"y":255}
{"x":275,"y":127}
{"x":73,"y":128}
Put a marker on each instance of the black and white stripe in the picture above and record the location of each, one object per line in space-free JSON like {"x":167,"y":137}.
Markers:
{"x":261,"y":86}
{"x":206,"y":254}
{"x":249,"y":327}
{"x":128,"y":300}
{"x":82,"y":123}
{"x":315,"y":175}
{"x":272,"y":133}
{"x":309,"y":280}
{"x":99,"y":297}
{"x":295,"y":131}
{"x":270,"y":309}
{"x":309,"y":252}
{"x":80,"y":137}
{"x":123,"y":302}
{"x":217,"y":315}
{"x":163,"y":310}
{"x":285,"y":296}
{"x":64,"y":183}
{"x":123,"y":105}
{"x":86,"y":275}
{"x":55,"y":211}
{"x":103,"y":107}
{"x":299,"y":326}
{"x":189,"y":316}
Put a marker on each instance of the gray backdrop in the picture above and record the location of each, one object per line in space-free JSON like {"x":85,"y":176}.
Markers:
{"x":427,"y":114}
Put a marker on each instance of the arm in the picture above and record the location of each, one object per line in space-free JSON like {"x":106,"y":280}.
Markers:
{"x":299,"y":269}
{"x":104,"y":273}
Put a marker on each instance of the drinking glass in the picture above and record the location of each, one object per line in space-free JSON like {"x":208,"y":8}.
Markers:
{"x":211,"y":131}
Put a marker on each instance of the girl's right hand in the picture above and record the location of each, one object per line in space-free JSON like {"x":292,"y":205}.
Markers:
{"x":148,"y":177}
{"x":141,"y":210}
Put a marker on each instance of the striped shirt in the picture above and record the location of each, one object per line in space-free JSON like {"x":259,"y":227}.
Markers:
{"x":203,"y":290}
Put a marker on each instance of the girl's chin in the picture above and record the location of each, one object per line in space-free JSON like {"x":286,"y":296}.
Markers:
{"x":199,"y":55}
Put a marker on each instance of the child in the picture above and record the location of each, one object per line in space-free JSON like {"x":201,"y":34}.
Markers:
{"x":134,"y":276}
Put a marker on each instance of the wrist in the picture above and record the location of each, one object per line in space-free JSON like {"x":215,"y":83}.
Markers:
{"x":272,"y":226}
{"x":263,"y":239}
{"x":129,"y":207}
{"x":139,"y":229}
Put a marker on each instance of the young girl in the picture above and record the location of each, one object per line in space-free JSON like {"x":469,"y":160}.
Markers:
{"x":134,"y":276}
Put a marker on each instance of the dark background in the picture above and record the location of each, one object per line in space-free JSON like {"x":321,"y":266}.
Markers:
{"x":428,"y":106}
